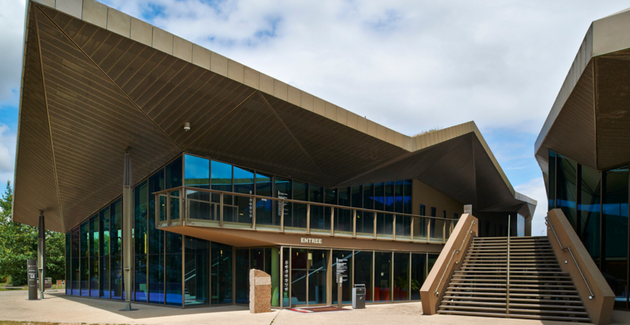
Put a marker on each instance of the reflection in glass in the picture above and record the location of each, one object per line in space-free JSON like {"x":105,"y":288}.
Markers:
{"x":363,"y":271}
{"x":551,"y":195}
{"x":85,"y":262}
{"x":104,"y":248}
{"x":242,"y":276}
{"x":368,"y":196}
{"x":398,"y":196}
{"x":116,"y":276}
{"x":401,"y":276}
{"x":156,"y":279}
{"x":567,"y":189}
{"x":379,"y":191}
{"x":615,"y":208}
{"x":174,"y":279}
{"x":197,"y":171}
{"x":589,"y":213}
{"x":76,"y":275}
{"x":297,"y":219}
{"x":174,"y":173}
{"x":318,"y":219}
{"x":318,"y":263}
{"x":244,"y":183}
{"x":141,"y":288}
{"x":264,"y":215}
{"x":389,"y":196}
{"x":418,"y":274}
{"x":197,"y":267}
{"x":407,"y":196}
{"x":221,"y":176}
{"x":68,"y":263}
{"x":382,"y":276}
{"x":221,"y":274}
{"x":299,"y":267}
{"x":94,"y":253}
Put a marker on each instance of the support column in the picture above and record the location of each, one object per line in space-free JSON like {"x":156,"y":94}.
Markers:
{"x":127,"y":225}
{"x":41,"y":253}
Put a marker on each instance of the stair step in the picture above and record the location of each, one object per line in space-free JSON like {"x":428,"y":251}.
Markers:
{"x":562,"y":302}
{"x":502,"y":315}
{"x":512,"y":290}
{"x":513,"y":285}
{"x":519,"y":305}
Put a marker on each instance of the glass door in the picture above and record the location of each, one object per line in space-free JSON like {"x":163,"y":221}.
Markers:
{"x":308,"y":276}
{"x":317,"y":276}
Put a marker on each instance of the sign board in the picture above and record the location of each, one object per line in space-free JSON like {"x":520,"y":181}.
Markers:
{"x":342,"y":267}
{"x":31,"y":266}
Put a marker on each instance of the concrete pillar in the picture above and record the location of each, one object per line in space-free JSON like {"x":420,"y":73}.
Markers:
{"x":41,"y":253}
{"x":127,"y":225}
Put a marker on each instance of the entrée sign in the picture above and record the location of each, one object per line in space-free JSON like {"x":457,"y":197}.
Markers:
{"x":311,"y":240}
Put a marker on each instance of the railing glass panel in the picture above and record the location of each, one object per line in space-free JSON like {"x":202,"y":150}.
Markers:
{"x":384,"y":225}
{"x":365,"y":224}
{"x":436,"y":230}
{"x":403,"y":227}
{"x":420,"y":229}
{"x":343,"y":221}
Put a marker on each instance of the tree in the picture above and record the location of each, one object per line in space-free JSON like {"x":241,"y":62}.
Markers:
{"x":18,"y":242}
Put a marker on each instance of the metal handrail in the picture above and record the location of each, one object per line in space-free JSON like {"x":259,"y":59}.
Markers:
{"x":184,"y":213}
{"x":437,"y":292}
{"x":507,"y":283}
{"x":328,"y":205}
{"x":548,"y":223}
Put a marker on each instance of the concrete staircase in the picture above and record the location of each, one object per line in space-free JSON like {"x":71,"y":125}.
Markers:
{"x":538,"y":289}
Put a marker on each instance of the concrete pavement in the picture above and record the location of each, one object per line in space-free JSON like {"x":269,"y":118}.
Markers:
{"x":59,"y":308}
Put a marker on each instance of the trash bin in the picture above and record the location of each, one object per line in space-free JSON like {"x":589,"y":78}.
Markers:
{"x":358,"y":296}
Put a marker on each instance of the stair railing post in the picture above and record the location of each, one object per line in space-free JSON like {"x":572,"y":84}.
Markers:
{"x":507,"y":294}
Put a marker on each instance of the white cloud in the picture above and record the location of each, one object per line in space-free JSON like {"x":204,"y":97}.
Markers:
{"x":7,"y":151}
{"x":535,"y":189}
{"x":11,"y":38}
{"x":409,"y":65}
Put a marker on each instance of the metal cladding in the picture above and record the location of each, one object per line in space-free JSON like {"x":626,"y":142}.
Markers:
{"x":590,"y":119}
{"x":97,"y":82}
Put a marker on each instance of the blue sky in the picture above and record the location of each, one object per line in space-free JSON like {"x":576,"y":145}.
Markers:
{"x":411,"y":65}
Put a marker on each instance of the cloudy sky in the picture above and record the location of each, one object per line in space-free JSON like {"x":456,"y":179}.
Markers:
{"x":411,"y":65}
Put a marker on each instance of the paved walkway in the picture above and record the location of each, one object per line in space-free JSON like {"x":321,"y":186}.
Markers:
{"x":59,"y":308}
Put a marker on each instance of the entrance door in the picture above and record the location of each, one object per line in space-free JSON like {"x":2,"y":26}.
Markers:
{"x":309,"y":269}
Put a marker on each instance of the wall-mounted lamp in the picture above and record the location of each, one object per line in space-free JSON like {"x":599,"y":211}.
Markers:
{"x":187,"y":126}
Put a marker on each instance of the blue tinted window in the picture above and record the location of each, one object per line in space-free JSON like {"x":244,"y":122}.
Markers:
{"x":221,"y":176}
{"x":174,"y":173}
{"x":197,"y":171}
{"x":243,"y":181}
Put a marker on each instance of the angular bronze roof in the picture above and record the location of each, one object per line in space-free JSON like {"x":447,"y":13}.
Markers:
{"x":590,"y":119}
{"x":97,"y":81}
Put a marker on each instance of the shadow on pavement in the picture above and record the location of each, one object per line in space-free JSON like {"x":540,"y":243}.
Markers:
{"x":145,"y":310}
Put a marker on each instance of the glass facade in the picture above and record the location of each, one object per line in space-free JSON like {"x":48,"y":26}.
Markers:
{"x":171,"y":269}
{"x":596,"y":204}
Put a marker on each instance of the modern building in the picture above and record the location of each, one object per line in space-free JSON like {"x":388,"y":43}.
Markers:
{"x":218,"y":168}
{"x":584,"y":149}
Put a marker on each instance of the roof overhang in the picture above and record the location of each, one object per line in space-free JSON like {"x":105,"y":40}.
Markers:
{"x":96,"y":82}
{"x":589,"y":121}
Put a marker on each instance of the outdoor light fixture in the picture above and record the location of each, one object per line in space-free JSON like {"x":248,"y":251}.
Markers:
{"x":187,"y":126}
